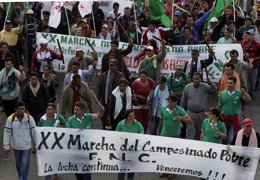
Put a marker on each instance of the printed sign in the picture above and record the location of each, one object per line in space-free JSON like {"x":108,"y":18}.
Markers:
{"x":83,"y":151}
{"x":174,"y":55}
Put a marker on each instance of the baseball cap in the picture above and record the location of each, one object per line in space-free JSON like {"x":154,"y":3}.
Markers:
{"x":251,"y":32}
{"x":149,"y":48}
{"x":30,"y":12}
{"x":79,"y":48}
{"x":213,"y":19}
{"x":247,"y":122}
{"x":43,"y":41}
{"x":113,"y":61}
{"x":8,"y":22}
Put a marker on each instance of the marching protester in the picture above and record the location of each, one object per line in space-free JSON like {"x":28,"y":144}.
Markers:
{"x":109,"y":81}
{"x":170,"y":121}
{"x":152,"y":62}
{"x":194,"y":100}
{"x":43,"y":56}
{"x":229,"y":105}
{"x":158,"y":100}
{"x":213,"y":128}
{"x":9,"y":85}
{"x":83,"y":120}
{"x":4,"y":53}
{"x":20,"y":130}
{"x":121,"y":100}
{"x":77,"y":90}
{"x":51,"y":119}
{"x":35,"y":96}
{"x":118,"y":54}
{"x":196,"y":65}
{"x":129,"y":124}
{"x":143,"y":88}
{"x":247,"y":136}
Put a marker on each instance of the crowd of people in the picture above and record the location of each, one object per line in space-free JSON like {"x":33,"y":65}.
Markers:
{"x":175,"y":105}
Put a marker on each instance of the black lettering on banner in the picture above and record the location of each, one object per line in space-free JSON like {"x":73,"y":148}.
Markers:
{"x":140,"y":157}
{"x":112,"y":156}
{"x":47,"y":168}
{"x":92,"y":156}
{"x":44,"y":138}
{"x":234,"y":158}
{"x":57,"y":140}
{"x":73,"y":142}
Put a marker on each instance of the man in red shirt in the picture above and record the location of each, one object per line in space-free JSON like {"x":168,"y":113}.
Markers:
{"x":252,"y":53}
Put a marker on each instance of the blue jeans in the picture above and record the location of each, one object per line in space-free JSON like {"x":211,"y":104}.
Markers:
{"x":49,"y":177}
{"x":22,"y":159}
{"x":121,"y":176}
{"x":154,"y":125}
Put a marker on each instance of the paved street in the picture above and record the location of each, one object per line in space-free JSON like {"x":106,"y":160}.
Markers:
{"x":8,"y":171}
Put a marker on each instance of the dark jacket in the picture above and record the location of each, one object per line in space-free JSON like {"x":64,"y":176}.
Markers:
{"x":102,"y":87}
{"x":120,"y":58}
{"x":35,"y":105}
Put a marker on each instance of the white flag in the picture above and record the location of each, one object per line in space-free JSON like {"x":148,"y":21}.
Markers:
{"x":85,"y":8}
{"x":55,"y":16}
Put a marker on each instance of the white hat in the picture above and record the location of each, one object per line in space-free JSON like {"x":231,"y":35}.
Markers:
{"x":30,"y":11}
{"x":150,"y":48}
{"x":43,"y":41}
{"x":79,"y":48}
{"x":213,"y":19}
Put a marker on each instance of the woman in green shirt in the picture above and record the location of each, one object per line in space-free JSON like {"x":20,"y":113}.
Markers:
{"x":129,"y":124}
{"x":51,"y":118}
{"x":213,"y":128}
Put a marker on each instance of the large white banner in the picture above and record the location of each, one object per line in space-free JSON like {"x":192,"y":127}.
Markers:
{"x":174,"y":55}
{"x":81,"y":151}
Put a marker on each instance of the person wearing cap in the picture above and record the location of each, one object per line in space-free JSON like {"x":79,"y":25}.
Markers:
{"x":247,"y":136}
{"x":76,"y":91}
{"x":82,"y":59}
{"x":213,"y":24}
{"x":10,"y":36}
{"x":252,"y":54}
{"x":109,"y":81}
{"x":30,"y":28}
{"x":196,"y":65}
{"x":152,"y":62}
{"x":229,"y":105}
{"x":177,"y":81}
{"x":195,"y":100}
{"x":98,"y":17}
{"x":158,"y":100}
{"x":119,"y":55}
{"x":44,"y":56}
{"x":248,"y":24}
{"x":227,"y":38}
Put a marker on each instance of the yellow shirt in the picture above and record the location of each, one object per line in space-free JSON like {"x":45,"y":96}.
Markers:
{"x":11,"y":37}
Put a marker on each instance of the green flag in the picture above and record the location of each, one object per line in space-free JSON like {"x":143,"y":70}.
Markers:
{"x":26,"y":6}
{"x":9,"y":12}
{"x":218,"y":9}
{"x":157,"y":12}
{"x":138,"y":3}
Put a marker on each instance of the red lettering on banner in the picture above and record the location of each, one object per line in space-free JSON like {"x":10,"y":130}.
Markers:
{"x":170,"y":64}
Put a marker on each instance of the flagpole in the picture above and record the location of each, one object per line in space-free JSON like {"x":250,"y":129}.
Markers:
{"x":6,"y":16}
{"x":137,"y":38}
{"x":234,"y":14}
{"x":172,"y":9}
{"x":67,"y":20}
{"x":93,"y":19}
